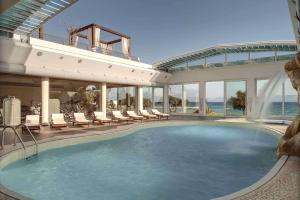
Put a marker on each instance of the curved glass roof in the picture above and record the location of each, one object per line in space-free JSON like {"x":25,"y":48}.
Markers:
{"x":177,"y":62}
{"x":25,"y":16}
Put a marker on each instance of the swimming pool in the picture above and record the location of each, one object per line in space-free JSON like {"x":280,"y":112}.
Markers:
{"x":173,"y":162}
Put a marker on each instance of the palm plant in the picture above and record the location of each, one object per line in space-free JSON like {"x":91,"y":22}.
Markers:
{"x":238,"y":102}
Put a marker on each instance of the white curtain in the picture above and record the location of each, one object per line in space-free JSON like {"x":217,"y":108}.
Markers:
{"x":125,"y":46}
{"x":74,"y":40}
{"x":97,"y":36}
{"x":106,"y":48}
{"x":90,"y":36}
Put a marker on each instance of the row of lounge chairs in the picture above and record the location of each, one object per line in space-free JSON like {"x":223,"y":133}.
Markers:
{"x":58,"y":121}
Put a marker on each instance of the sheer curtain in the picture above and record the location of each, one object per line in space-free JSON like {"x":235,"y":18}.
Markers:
{"x":74,"y":40}
{"x":97,"y":37}
{"x":106,"y":48}
{"x":90,"y":37}
{"x":125,"y":46}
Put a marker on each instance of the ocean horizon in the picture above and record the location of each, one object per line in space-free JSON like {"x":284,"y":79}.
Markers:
{"x":291,"y":109}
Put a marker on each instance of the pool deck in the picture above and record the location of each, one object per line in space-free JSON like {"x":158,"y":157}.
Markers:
{"x":285,"y":184}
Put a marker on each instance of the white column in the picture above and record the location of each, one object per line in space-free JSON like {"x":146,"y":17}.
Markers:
{"x":103,"y":97}
{"x":140,"y":99}
{"x":251,"y":97}
{"x":152,"y":97}
{"x":100,"y":96}
{"x":45,"y":100}
{"x":166,"y":98}
{"x":202,"y":102}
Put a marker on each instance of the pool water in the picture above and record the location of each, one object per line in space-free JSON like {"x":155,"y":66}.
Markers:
{"x":175,"y":162}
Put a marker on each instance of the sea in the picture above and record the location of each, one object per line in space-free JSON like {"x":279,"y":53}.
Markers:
{"x":291,"y":109}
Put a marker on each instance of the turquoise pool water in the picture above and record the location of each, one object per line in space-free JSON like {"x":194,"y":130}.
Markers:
{"x":176,"y":162}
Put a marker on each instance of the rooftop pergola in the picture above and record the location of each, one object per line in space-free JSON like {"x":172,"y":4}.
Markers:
{"x":237,"y":48}
{"x":26,"y":16}
{"x":94,"y":34}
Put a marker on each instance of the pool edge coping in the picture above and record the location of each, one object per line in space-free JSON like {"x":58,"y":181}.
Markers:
{"x":111,"y":134}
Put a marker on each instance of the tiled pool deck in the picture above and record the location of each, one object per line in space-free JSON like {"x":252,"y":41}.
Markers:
{"x":285,"y":184}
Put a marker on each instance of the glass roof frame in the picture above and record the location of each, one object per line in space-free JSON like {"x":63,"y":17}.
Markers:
{"x":26,"y":16}
{"x":279,"y":46}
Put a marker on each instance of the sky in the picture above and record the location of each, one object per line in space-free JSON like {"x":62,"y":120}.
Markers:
{"x":164,"y":28}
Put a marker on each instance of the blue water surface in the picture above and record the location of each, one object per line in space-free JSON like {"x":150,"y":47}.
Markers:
{"x":165,"y":163}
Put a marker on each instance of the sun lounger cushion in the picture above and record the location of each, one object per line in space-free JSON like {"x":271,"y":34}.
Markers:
{"x":156,"y":112}
{"x":118,"y":115}
{"x":134,"y":115}
{"x":79,"y":117}
{"x":58,"y":119}
{"x":101,"y":116}
{"x":32,"y":120}
{"x":146,"y":114}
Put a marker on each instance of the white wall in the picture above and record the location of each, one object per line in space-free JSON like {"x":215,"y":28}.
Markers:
{"x":43,"y":58}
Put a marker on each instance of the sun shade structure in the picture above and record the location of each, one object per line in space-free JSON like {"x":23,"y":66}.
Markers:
{"x":94,"y":33}
{"x":25,"y":16}
{"x":267,"y":46}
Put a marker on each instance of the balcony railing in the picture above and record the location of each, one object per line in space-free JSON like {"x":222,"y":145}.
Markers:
{"x":85,"y":46}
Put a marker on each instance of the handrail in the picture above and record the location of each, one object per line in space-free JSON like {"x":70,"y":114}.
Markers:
{"x":16,"y":134}
{"x":33,"y":138}
{"x":19,"y":137}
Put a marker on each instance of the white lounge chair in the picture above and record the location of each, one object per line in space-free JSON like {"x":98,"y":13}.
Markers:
{"x":159,"y":114}
{"x":100,"y":117}
{"x":32,"y":122}
{"x":80,"y":119}
{"x":117,"y":115}
{"x":146,"y":114}
{"x":58,"y":120}
{"x":134,"y":116}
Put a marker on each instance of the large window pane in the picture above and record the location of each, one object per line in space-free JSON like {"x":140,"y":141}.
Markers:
{"x":112,"y":100}
{"x":147,"y":98}
{"x":191,"y":98}
{"x":158,"y":99}
{"x":126,"y":98}
{"x":67,"y":96}
{"x":291,"y":108}
{"x":236,"y":98}
{"x":175,"y":98}
{"x":260,"y":84}
{"x":214,"y":98}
